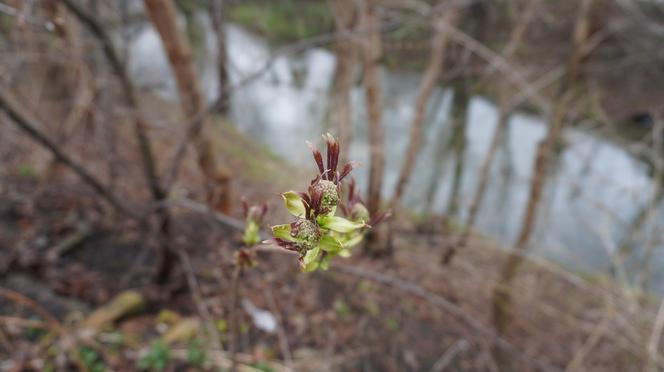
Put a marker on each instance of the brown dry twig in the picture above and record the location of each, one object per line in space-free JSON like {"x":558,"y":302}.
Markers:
{"x":31,"y":127}
{"x":281,"y":331}
{"x":438,"y":301}
{"x":403,"y":285}
{"x":449,"y":355}
{"x":655,"y":338}
{"x":120,"y":70}
{"x":576,"y":364}
{"x":235,"y":326}
{"x":194,"y":288}
{"x":23,"y":300}
{"x":21,"y":322}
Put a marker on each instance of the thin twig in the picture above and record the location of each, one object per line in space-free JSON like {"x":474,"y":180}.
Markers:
{"x":442,"y":303}
{"x":119,"y":68}
{"x":577,"y":362}
{"x":194,"y":288}
{"x":281,"y":331}
{"x":235,"y":294}
{"x":21,"y":322}
{"x":221,"y":218}
{"x":655,"y":337}
{"x":194,"y":123}
{"x":21,"y":16}
{"x":512,"y":73}
{"x":23,"y":300}
{"x":148,"y":162}
{"x":6,"y":342}
{"x":449,"y":355}
{"x":222,"y":359}
{"x":20,"y":117}
{"x":82,"y":233}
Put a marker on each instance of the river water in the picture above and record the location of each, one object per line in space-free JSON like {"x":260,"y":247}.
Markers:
{"x":595,"y":192}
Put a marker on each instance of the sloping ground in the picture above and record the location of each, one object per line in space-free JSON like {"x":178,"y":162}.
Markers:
{"x":558,"y":317}
{"x":407,"y":313}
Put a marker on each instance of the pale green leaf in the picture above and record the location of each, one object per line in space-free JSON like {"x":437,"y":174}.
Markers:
{"x":352,"y":241}
{"x":251,"y":234}
{"x":311,"y":267}
{"x":325,"y":263}
{"x":310,"y":261}
{"x":339,"y":224}
{"x":312,"y":255}
{"x":294,"y":203}
{"x":330,"y":244}
{"x":282,"y":232}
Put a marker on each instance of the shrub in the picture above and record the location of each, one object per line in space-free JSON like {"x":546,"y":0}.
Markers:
{"x":318,"y":234}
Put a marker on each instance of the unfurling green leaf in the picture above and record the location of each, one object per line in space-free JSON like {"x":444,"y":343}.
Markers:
{"x":294,"y":204}
{"x":325,"y":263}
{"x":339,"y":224}
{"x":359,"y":212}
{"x":310,"y":261}
{"x":317,"y":234}
{"x":251,"y":234}
{"x":330,"y":244}
{"x":282,"y":232}
{"x":352,"y":241}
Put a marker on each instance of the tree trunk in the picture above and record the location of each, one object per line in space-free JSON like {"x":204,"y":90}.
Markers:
{"x":504,"y":110}
{"x":647,"y":214}
{"x":218,"y":13}
{"x":374,"y":101}
{"x":371,"y":53}
{"x":428,"y":82}
{"x":345,"y":18}
{"x":502,"y":295}
{"x":485,"y":173}
{"x":442,"y":150}
{"x":23,"y":119}
{"x":159,"y":193}
{"x":458,"y":146}
{"x":164,"y":17}
{"x":637,"y":231}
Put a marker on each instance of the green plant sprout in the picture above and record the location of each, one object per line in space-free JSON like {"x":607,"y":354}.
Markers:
{"x":253,"y":216}
{"x":253,"y":220}
{"x":157,"y":358}
{"x":318,"y":235}
{"x":90,"y":359}
{"x":196,"y":356}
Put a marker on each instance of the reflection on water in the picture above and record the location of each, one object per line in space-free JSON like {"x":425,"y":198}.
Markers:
{"x":595,"y":191}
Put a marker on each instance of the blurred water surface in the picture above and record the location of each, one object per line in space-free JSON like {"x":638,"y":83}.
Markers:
{"x":596,"y":190}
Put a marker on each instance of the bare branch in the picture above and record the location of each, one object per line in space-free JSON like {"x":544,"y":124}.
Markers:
{"x":449,"y":355}
{"x":655,"y":338}
{"x":120,"y":70}
{"x":438,"y":47}
{"x":20,"y":117}
{"x":442,"y":303}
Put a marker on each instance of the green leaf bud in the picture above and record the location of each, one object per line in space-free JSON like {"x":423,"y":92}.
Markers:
{"x":330,"y":198}
{"x":306,"y":234}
